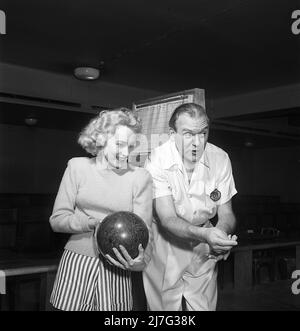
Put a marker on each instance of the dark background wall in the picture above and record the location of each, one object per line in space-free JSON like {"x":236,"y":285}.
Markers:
{"x":267,"y":171}
{"x":33,"y":161}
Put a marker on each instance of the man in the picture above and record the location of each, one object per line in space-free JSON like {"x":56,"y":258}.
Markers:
{"x":192,"y":182}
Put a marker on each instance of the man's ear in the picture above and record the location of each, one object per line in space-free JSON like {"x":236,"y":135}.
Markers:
{"x":171,"y":131}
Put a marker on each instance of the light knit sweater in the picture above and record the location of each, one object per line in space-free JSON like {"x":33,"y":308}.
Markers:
{"x":89,"y":191}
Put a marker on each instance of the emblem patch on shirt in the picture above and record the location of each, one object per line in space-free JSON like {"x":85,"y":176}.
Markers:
{"x":215,"y":195}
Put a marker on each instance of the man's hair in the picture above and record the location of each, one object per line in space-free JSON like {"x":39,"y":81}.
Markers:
{"x":192,"y":109}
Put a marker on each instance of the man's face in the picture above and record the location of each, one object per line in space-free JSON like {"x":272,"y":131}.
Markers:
{"x":119,"y":146}
{"x":191,"y":137}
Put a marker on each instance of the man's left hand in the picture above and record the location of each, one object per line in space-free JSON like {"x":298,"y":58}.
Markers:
{"x":218,"y":257}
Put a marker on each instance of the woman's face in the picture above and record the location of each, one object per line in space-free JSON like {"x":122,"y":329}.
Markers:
{"x":119,"y":146}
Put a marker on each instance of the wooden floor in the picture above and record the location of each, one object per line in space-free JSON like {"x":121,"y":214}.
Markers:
{"x":276,"y":296}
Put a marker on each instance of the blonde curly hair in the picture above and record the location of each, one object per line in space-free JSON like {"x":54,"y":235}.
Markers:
{"x":94,"y":136}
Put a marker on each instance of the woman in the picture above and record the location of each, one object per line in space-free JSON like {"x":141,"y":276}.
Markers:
{"x":91,"y":189}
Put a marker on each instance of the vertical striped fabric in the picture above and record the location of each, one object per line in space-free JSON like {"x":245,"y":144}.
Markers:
{"x":85,"y":283}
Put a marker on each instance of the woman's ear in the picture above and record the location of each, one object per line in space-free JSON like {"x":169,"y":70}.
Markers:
{"x":101,"y":140}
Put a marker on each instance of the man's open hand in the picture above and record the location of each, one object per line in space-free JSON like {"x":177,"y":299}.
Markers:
{"x":218,"y":241}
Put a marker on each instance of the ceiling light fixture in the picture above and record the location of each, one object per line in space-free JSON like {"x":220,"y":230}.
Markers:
{"x":248,"y":143}
{"x":86,"y":73}
{"x":31,"y":121}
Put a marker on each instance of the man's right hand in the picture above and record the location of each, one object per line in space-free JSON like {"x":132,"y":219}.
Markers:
{"x":218,"y":240}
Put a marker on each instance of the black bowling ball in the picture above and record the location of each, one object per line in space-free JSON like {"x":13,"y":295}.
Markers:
{"x":121,"y":228}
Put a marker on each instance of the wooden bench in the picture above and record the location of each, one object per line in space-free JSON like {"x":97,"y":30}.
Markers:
{"x":42,"y":270}
{"x":243,"y":259}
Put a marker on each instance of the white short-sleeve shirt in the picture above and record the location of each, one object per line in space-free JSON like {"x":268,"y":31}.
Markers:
{"x":177,"y":270}
{"x":211,"y":184}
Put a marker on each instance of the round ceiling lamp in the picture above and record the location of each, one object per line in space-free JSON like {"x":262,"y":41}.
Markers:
{"x":86,"y":73}
{"x":249,"y":143}
{"x":31,"y":121}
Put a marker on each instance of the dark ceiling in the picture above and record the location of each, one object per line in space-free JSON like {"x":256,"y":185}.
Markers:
{"x":226,"y":46}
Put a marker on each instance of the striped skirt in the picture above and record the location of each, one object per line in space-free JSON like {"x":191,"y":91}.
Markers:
{"x":88,"y":283}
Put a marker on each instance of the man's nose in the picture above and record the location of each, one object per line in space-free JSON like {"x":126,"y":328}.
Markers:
{"x":197,"y":139}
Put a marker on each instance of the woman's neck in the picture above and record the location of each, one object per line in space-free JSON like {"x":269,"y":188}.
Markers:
{"x":102,"y":162}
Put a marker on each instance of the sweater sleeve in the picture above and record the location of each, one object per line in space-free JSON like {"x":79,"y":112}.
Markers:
{"x":142,"y":205}
{"x":64,"y":218}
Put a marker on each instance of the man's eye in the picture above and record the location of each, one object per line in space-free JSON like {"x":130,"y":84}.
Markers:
{"x":187,"y":135}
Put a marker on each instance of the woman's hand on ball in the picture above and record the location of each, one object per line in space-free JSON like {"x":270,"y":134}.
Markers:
{"x":126,"y":262}
{"x":93,"y":223}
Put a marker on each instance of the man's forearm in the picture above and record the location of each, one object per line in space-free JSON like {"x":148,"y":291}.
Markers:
{"x":183,"y":229}
{"x":227,"y":223}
